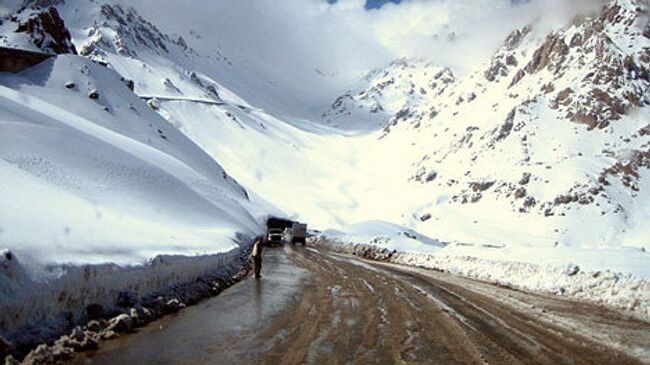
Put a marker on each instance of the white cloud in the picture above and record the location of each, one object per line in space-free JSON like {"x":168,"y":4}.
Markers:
{"x":461,"y":34}
{"x":8,"y":6}
{"x":286,"y":41}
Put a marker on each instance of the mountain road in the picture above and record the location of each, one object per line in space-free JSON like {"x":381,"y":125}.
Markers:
{"x":316,"y":307}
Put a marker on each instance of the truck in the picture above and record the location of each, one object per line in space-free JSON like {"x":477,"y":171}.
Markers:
{"x":274,"y":236}
{"x":299,"y":233}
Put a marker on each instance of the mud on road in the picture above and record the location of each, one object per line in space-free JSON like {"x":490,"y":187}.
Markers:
{"x":316,"y":307}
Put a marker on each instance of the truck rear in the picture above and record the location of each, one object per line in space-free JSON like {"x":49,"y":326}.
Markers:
{"x":299,"y":233}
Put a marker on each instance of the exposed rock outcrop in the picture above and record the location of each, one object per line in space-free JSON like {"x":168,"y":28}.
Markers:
{"x":46,"y":28}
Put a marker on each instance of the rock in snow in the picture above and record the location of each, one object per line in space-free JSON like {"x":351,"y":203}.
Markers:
{"x":121,"y":323}
{"x":572,"y":269}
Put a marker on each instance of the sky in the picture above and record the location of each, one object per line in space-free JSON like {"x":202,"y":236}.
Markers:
{"x":7,"y":6}
{"x":315,"y":49}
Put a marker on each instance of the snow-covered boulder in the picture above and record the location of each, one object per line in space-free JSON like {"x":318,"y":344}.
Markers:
{"x":121,"y":323}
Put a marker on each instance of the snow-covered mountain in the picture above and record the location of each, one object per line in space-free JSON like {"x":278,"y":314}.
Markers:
{"x":388,"y":94}
{"x":549,"y":140}
{"x":94,"y":178}
{"x":551,"y":133}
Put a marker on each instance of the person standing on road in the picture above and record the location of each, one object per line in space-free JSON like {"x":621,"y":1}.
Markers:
{"x":256,"y":254}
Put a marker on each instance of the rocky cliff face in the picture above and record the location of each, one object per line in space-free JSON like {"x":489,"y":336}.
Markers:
{"x":44,"y":28}
{"x":599,"y":66}
{"x":124,"y":32}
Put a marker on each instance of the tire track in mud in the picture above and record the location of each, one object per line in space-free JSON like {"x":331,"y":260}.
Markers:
{"x":353,"y":312}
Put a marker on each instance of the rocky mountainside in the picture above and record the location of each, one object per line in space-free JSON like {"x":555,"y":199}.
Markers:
{"x":124,"y":32}
{"x":37,"y":28}
{"x":390,"y":92}
{"x":555,"y":126}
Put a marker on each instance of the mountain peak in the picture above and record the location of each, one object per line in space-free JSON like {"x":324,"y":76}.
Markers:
{"x":123,"y":31}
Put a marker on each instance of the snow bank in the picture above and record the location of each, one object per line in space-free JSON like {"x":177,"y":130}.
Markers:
{"x":615,"y":289}
{"x":619,"y":290}
{"x":34,"y":312}
{"x":386,"y":235}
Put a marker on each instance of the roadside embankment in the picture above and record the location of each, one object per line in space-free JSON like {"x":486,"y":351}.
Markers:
{"x":616,"y":290}
{"x":45,"y":323}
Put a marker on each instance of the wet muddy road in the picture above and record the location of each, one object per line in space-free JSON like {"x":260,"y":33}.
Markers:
{"x":315,"y":307}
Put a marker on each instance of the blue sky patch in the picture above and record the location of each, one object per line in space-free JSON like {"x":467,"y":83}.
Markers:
{"x":376,"y":4}
{"x":373,"y":4}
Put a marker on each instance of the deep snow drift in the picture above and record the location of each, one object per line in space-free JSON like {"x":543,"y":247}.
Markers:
{"x":385,"y":235}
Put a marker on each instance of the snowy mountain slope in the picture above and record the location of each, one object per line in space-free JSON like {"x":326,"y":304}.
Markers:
{"x":291,"y":167}
{"x":469,"y":147}
{"x":551,"y":134}
{"x":118,"y":33}
{"x":166,"y":66}
{"x":387,"y":93}
{"x":131,"y":184}
{"x":506,"y":143}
